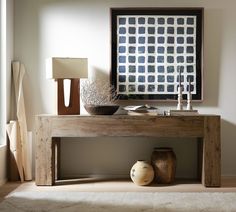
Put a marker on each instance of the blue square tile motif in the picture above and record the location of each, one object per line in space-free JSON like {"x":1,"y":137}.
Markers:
{"x":151,"y":30}
{"x":160,"y":88}
{"x":122,"y":39}
{"x":170,"y":50}
{"x":160,"y":78}
{"x":161,"y":21}
{"x":122,"y":59}
{"x":141,"y":59}
{"x":141,"y":40}
{"x":180,"y":49}
{"x":132,"y":78}
{"x":170,"y":40}
{"x":151,"y":59}
{"x":151,"y":49}
{"x":190,"y":49}
{"x":122,"y":49}
{"x":151,"y":78}
{"x":141,"y":49}
{"x":122,"y":30}
{"x":151,"y":20}
{"x":122,"y":21}
{"x":132,"y":39}
{"x":170,"y":79}
{"x":131,"y":20}
{"x":170,"y":69}
{"x":160,"y":30}
{"x":160,"y":69}
{"x":180,"y":30}
{"x":122,"y":78}
{"x":170,"y":88}
{"x":170,"y":59}
{"x":190,"y":30}
{"x":151,"y":88}
{"x":141,"y":30}
{"x":132,"y":30}
{"x":122,"y":69}
{"x":160,"y":59}
{"x":151,"y":69}
{"x":132,"y":69}
{"x":141,"y":69}
{"x":190,"y":40}
{"x":189,"y":69}
{"x":180,"y":59}
{"x":141,"y":88}
{"x":180,"y":21}
{"x":180,"y":40}
{"x":141,"y":20}
{"x":132,"y":59}
{"x":170,"y":21}
{"x":161,"y":50}
{"x":190,"y":59}
{"x":141,"y":78}
{"x":122,"y":88}
{"x":132,"y":49}
{"x":161,"y":40}
{"x":151,"y":40}
{"x":131,"y":88}
{"x":190,"y":21}
{"x":170,"y":30}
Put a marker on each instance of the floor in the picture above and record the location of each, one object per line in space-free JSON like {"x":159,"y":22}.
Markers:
{"x":101,"y":185}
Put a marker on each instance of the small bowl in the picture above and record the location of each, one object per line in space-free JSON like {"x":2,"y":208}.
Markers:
{"x":101,"y":109}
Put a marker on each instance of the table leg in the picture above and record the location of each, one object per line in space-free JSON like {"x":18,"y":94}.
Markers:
{"x":211,"y":175}
{"x":45,"y":153}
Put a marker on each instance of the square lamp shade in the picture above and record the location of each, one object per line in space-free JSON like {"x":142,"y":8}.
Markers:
{"x":67,"y":72}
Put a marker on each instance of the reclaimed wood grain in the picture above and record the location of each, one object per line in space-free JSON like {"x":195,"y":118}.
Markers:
{"x":50,"y":128}
{"x":211,"y":152}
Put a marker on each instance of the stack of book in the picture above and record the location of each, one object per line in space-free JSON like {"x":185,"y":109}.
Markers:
{"x":140,"y":110}
{"x":183,"y":112}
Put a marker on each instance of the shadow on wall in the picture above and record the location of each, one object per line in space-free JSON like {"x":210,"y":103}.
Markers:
{"x":228,"y":147}
{"x":212,"y":46}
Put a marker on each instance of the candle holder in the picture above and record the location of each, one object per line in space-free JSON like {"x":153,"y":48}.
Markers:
{"x":189,"y":100}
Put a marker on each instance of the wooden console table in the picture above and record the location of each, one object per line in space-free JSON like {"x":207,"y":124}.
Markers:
{"x":206,"y":128}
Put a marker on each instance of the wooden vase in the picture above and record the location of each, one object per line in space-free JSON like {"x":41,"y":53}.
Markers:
{"x":142,"y":173}
{"x":164,"y":164}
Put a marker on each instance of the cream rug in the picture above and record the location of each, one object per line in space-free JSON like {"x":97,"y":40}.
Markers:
{"x":70,"y":201}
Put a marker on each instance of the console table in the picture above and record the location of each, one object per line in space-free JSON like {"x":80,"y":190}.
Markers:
{"x":206,"y":128}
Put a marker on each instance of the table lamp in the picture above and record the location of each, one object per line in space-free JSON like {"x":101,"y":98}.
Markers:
{"x":67,"y":72}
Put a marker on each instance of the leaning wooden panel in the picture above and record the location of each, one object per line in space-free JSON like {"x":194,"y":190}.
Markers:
{"x":44,"y":161}
{"x":211,"y":176}
{"x":123,"y":125}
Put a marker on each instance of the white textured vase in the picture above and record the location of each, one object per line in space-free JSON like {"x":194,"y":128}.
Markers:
{"x":142,"y":173}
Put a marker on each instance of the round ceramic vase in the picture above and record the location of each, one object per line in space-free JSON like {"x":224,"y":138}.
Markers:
{"x":142,"y":173}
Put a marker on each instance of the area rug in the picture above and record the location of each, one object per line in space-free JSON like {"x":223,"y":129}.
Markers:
{"x":59,"y":201}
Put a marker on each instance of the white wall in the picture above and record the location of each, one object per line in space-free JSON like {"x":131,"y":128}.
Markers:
{"x":8,"y":57}
{"x":79,"y":28}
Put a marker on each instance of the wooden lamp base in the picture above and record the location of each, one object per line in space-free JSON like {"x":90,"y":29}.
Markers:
{"x":74,"y":104}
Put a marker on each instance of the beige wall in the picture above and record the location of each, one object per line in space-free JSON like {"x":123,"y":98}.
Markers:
{"x":7,"y":84}
{"x":79,"y":28}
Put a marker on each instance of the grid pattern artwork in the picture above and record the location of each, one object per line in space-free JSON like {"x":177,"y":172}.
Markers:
{"x":151,"y":50}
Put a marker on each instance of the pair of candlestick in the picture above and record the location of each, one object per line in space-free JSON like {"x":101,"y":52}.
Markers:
{"x":180,"y":98}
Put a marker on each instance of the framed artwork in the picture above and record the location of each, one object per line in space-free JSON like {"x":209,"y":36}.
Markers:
{"x":154,"y":48}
